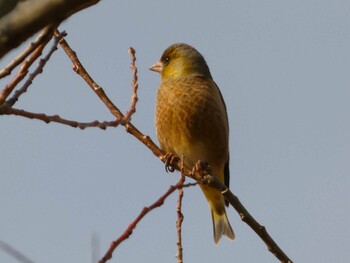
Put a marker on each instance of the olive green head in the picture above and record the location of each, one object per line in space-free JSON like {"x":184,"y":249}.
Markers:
{"x":181,"y":60}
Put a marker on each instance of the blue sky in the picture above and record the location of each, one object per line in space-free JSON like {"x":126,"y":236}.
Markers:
{"x":283,"y":68}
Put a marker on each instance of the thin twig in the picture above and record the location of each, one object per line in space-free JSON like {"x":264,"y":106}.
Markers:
{"x":260,"y":230}
{"x":36,"y":52}
{"x":14,"y":253}
{"x":201,"y":173}
{"x":6,"y":110}
{"x":22,"y":73}
{"x":44,"y":37}
{"x":180,"y":218}
{"x":135,"y":85}
{"x":36,"y":72}
{"x":144,"y":212}
{"x":81,"y":71}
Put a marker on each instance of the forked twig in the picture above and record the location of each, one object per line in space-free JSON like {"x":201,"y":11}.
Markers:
{"x":81,"y":71}
{"x":36,"y":72}
{"x":36,"y":52}
{"x":144,"y":212}
{"x":43,"y":38}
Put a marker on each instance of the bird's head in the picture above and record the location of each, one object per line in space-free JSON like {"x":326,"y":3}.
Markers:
{"x":181,"y":60}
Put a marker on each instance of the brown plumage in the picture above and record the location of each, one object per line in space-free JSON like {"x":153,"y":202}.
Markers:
{"x":191,"y":120}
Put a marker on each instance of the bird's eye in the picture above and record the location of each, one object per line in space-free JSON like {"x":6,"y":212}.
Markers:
{"x":166,"y":60}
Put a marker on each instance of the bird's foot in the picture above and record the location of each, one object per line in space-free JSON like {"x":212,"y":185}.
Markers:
{"x":170,"y":159}
{"x":204,"y":169}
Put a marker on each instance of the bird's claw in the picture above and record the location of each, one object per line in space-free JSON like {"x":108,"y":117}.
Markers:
{"x":170,"y":159}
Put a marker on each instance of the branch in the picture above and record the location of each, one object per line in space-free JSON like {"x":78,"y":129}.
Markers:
{"x":248,"y":219}
{"x":135,"y":85}
{"x":6,"y":110}
{"x":180,"y":219}
{"x":36,"y":72}
{"x":127,"y":233}
{"x":23,"y":70}
{"x":43,"y":37}
{"x":81,"y":71}
{"x":14,"y":253}
{"x":201,"y":172}
{"x":30,"y":16}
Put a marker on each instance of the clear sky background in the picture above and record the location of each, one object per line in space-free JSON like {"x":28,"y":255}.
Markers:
{"x":284,"y":70}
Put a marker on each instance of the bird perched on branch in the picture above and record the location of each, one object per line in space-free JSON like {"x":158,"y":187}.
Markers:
{"x":191,"y":120}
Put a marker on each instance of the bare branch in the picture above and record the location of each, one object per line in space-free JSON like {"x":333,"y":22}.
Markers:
{"x":127,"y":233}
{"x":37,"y":71}
{"x":44,"y":37}
{"x":23,"y":70}
{"x":80,"y":70}
{"x":14,"y":253}
{"x":30,"y":16}
{"x":135,"y":85}
{"x":6,"y":110}
{"x":180,"y":218}
{"x":201,"y":172}
{"x":258,"y":229}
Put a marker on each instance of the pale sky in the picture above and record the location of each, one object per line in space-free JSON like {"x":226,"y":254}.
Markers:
{"x":283,"y":69}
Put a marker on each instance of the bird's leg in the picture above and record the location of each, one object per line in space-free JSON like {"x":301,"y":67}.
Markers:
{"x":170,"y":159}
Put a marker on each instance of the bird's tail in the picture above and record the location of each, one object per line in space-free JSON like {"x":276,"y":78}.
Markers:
{"x":221,"y":226}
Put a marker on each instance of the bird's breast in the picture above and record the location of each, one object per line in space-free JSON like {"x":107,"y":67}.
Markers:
{"x":191,"y":119}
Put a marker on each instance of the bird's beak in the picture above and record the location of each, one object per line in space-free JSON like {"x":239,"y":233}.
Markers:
{"x":157,"y":67}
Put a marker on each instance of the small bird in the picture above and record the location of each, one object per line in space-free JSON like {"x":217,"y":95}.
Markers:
{"x":191,"y":121}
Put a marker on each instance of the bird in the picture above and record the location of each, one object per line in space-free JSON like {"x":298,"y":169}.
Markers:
{"x":191,"y":121}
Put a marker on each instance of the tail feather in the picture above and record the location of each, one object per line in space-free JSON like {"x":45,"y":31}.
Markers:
{"x":221,"y":226}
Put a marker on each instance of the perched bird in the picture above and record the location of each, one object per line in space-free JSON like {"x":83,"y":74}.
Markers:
{"x":191,"y":120}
